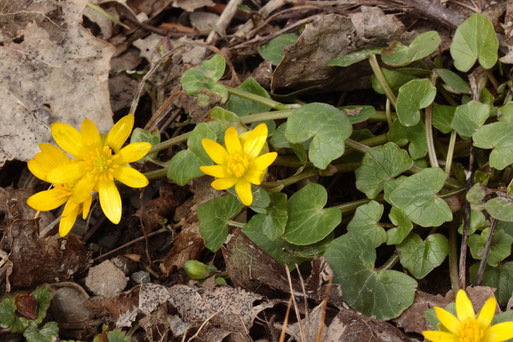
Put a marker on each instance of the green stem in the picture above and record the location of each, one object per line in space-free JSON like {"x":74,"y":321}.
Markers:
{"x":356,"y":145}
{"x":170,"y":142}
{"x":379,"y":116}
{"x":394,"y":258}
{"x":450,"y":153}
{"x":453,"y":257}
{"x":429,"y":137}
{"x":453,"y":193}
{"x":278,"y":185}
{"x":276,"y":115}
{"x":351,"y":206}
{"x":156,"y":174}
{"x":388,"y":114}
{"x":257,"y":98}
{"x":236,"y":224}
{"x":382,"y":80}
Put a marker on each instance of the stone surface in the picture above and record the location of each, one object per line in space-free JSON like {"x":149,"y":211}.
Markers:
{"x":106,"y":280}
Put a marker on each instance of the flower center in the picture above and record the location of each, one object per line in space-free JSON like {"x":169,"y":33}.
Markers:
{"x":237,"y":165}
{"x":470,"y":331}
{"x":100,"y":163}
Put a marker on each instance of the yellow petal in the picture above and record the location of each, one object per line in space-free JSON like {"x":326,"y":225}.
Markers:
{"x":130,"y":177}
{"x":255,"y":141}
{"x":40,"y":170}
{"x":263,"y":162}
{"x":110,"y":200}
{"x":217,"y":171}
{"x":67,"y":173}
{"x":68,"y":218}
{"x":440,"y":336}
{"x":82,"y":190}
{"x":133,"y":152}
{"x":254,"y":176}
{"x":224,"y":183}
{"x":67,"y":137}
{"x":499,"y":332}
{"x":47,"y":200}
{"x":486,"y":314}
{"x":215,"y":151}
{"x":231,"y":141}
{"x":243,"y":190}
{"x":450,"y":322}
{"x":120,"y":132}
{"x":464,"y":307}
{"x":90,"y":135}
{"x":52,"y":154}
{"x":86,"y":205}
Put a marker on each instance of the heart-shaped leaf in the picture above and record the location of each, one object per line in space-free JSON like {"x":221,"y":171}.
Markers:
{"x":453,"y":82}
{"x":358,"y":113}
{"x":273,"y":51}
{"x":396,"y":78}
{"x":244,"y":107}
{"x":498,"y":136}
{"x":477,"y":221}
{"x":328,"y":126}
{"x":308,"y":221}
{"x":202,"y":79}
{"x":383,"y":294}
{"x":469,"y":117}
{"x":421,"y":257}
{"x":404,"y":226}
{"x":365,"y":222}
{"x":416,"y":197}
{"x":398,"y":54}
{"x":415,"y":135}
{"x":272,"y":223}
{"x":474,"y":39}
{"x":213,"y":217}
{"x":353,"y":57}
{"x":500,"y":208}
{"x":505,"y":113}
{"x":442,"y":117}
{"x":47,"y":333}
{"x":500,"y":278}
{"x":500,"y":248}
{"x":413,"y":96}
{"x":379,"y":165}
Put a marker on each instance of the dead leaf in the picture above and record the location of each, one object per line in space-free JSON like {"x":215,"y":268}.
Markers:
{"x":58,"y":72}
{"x":309,"y":326}
{"x":191,"y":5}
{"x":187,"y":245}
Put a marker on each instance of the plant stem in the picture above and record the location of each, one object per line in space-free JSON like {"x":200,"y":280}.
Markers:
{"x":382,"y":80}
{"x":351,"y":206}
{"x":156,"y":174}
{"x":280,"y":184}
{"x":356,"y":145}
{"x":450,"y":153}
{"x":169,"y":143}
{"x":388,"y":114}
{"x":257,"y":98}
{"x":394,"y":258}
{"x":379,"y":116}
{"x":276,"y":115}
{"x":486,"y":251}
{"x":429,"y":137}
{"x":453,"y":257}
{"x":236,"y":224}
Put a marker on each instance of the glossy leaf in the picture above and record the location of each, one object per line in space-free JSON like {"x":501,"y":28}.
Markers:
{"x":404,"y":226}
{"x":415,"y":136}
{"x":327,"y":125}
{"x":272,"y":222}
{"x":143,"y":135}
{"x":353,"y":57}
{"x":8,"y":317}
{"x":421,"y":257}
{"x":202,"y":79}
{"x":473,"y":40}
{"x":453,"y":82}
{"x":43,"y":295}
{"x":394,"y":78}
{"x":413,"y":96}
{"x":358,"y":113}
{"x":383,"y":294}
{"x":273,"y":51}
{"x":498,"y":136}
{"x":47,"y":333}
{"x":422,"y":46}
{"x":442,"y":117}
{"x":469,"y":117}
{"x":365,"y":222}
{"x":416,"y":197}
{"x":308,"y":222}
{"x":505,"y":113}
{"x":213,"y":217}
{"x":500,"y":278}
{"x":500,"y":208}
{"x":243,"y":107}
{"x":500,"y":248}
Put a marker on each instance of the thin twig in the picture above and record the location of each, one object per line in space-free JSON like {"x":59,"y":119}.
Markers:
{"x":486,"y":251}
{"x":285,"y":321}
{"x":466,"y":222}
{"x":324,"y":308}
{"x":224,"y":20}
{"x":298,"y":315}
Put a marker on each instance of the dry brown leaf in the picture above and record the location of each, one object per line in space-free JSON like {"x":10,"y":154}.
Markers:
{"x":191,"y":5}
{"x":58,"y":72}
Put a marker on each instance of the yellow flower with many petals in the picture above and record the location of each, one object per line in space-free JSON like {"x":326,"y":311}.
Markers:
{"x":466,"y":327}
{"x":44,"y":161}
{"x":98,"y":161}
{"x":239,"y":163}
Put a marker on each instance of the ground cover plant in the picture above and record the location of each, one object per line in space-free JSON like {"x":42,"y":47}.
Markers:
{"x":361,"y":192}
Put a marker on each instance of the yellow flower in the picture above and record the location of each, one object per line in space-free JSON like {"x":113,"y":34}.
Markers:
{"x":239,"y":163}
{"x":44,"y":161}
{"x":466,"y":327}
{"x":98,"y":161}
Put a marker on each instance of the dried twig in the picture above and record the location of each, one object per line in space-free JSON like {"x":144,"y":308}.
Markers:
{"x":224,"y":20}
{"x":486,"y":251}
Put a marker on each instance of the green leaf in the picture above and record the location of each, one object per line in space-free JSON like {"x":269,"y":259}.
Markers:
{"x":117,"y":335}
{"x":416,"y":136}
{"x":353,"y":57}
{"x":279,"y":141}
{"x":500,"y":278}
{"x":442,"y":117}
{"x":469,"y":117}
{"x":413,"y":96}
{"x":505,"y":113}
{"x":416,"y":197}
{"x":44,"y":296}
{"x":476,"y":194}
{"x":47,"y":333}
{"x":213,"y":217}
{"x":143,"y":135}
{"x":453,"y":82}
{"x":404,"y":226}
{"x":498,"y":136}
{"x":8,"y":317}
{"x":202,"y":79}
{"x":500,"y":208}
{"x":328,"y":126}
{"x":383,"y":294}
{"x":477,"y":222}
{"x":273,"y":51}
{"x":398,"y":54}
{"x":244,"y":107}
{"x":421,"y":257}
{"x":308,"y":221}
{"x":365,"y":222}
{"x":358,"y":113}
{"x":474,"y":39}
{"x":272,"y":223}
{"x":500,"y":247}
{"x":225,"y":116}
{"x":379,"y":165}
{"x":394,"y":78}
